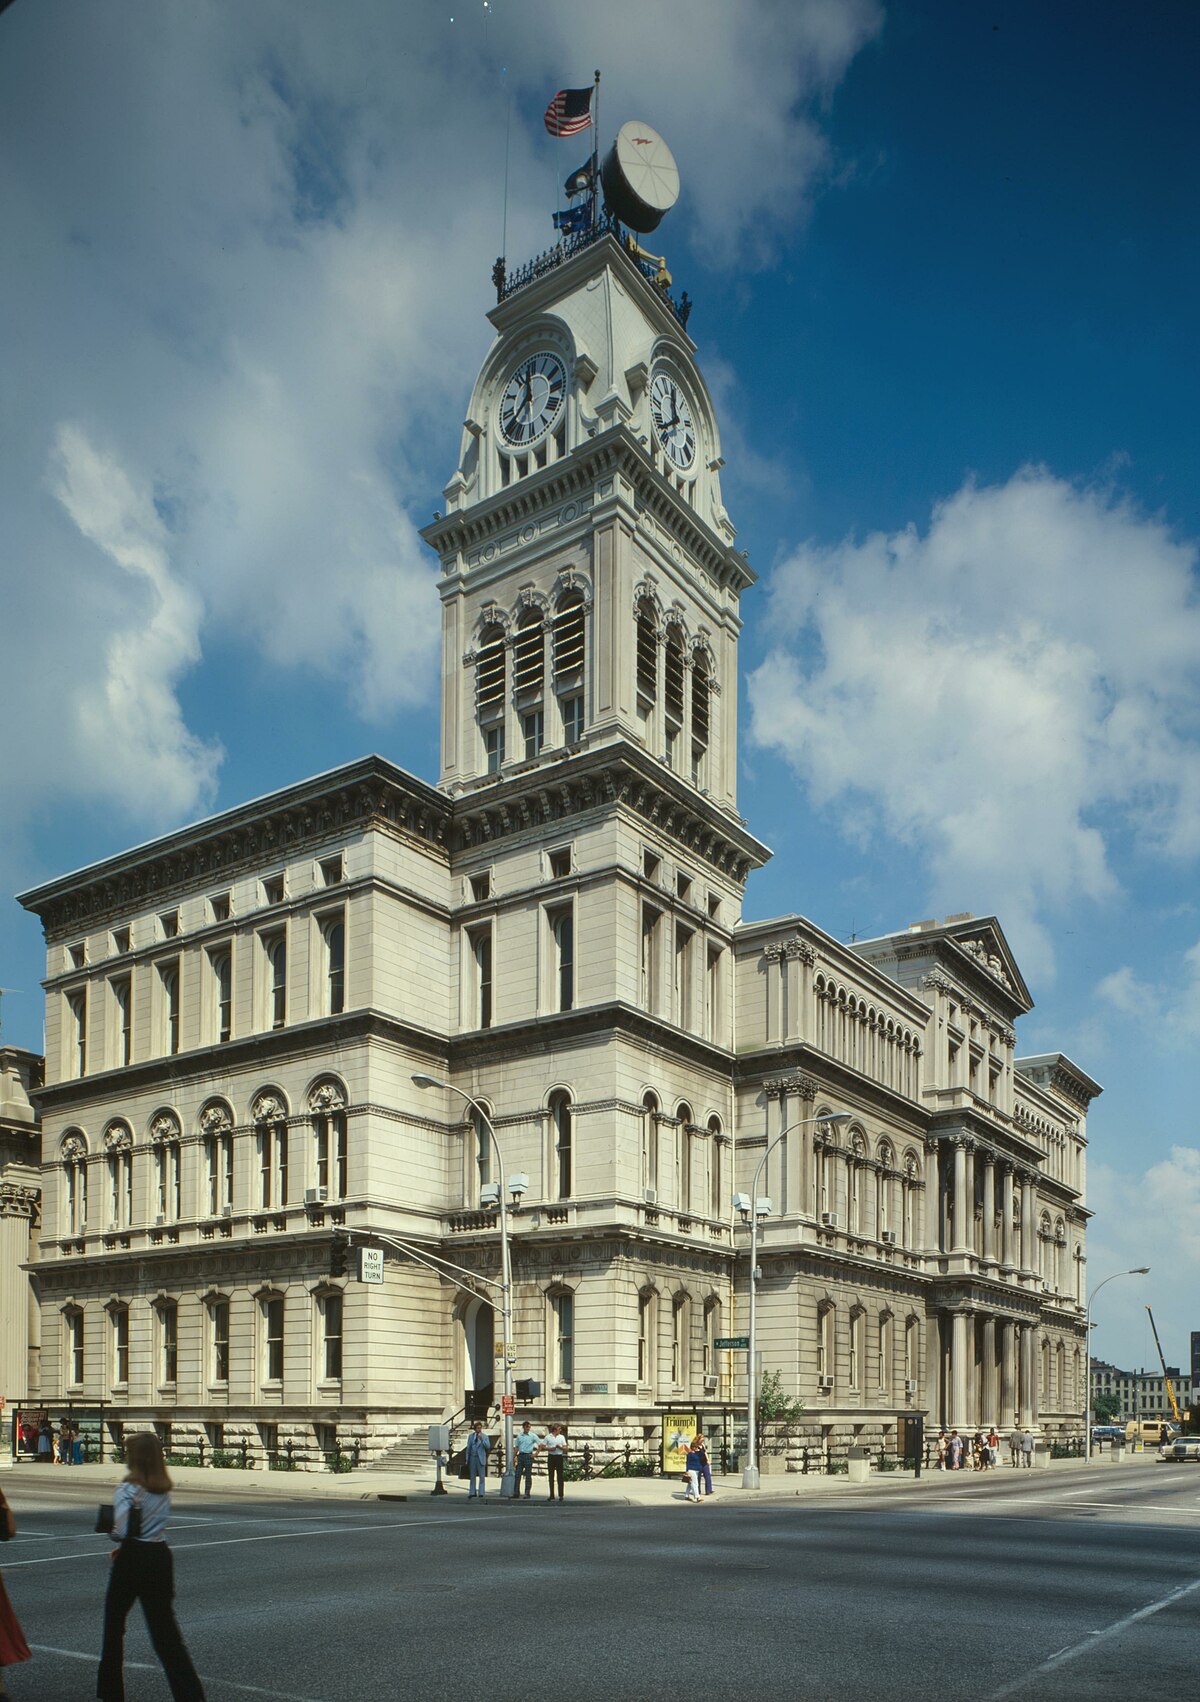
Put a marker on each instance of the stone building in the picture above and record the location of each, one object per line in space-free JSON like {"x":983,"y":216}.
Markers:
{"x":235,"y":1014}
{"x":20,"y":1203}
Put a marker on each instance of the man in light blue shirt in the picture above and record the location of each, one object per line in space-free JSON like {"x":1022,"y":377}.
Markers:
{"x":523,"y":1451}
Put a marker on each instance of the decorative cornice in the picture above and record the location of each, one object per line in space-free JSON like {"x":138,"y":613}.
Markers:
{"x":16,"y":1201}
{"x":803,"y":1086}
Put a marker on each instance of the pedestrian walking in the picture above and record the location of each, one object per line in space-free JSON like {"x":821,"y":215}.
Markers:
{"x":1014,"y":1448}
{"x":691,"y":1474}
{"x":556,"y":1452}
{"x":45,"y":1444}
{"x":478,"y":1448}
{"x":143,"y":1570}
{"x":941,"y":1450}
{"x":13,"y":1647}
{"x":954,"y":1451}
{"x":1026,"y":1448}
{"x":993,"y":1447}
{"x":524,"y":1448}
{"x":700,"y":1449}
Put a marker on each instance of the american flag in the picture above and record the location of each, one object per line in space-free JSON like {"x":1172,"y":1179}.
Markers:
{"x":569,"y":112}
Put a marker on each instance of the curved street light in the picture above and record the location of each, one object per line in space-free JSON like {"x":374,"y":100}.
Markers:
{"x":508,"y":1480}
{"x":1137,"y":1271}
{"x":829,"y":1120}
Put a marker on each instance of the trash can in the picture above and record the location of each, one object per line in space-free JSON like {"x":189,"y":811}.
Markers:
{"x":858,"y":1465}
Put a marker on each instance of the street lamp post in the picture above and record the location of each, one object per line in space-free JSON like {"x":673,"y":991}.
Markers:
{"x":1137,"y":1271}
{"x":508,"y":1480}
{"x":830,"y":1120}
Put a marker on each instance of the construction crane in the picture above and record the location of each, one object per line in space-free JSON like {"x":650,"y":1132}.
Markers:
{"x":1170,"y":1388}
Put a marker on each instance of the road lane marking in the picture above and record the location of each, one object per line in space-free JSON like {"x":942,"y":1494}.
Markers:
{"x":1093,"y":1638}
{"x":152,"y":1666}
{"x":278,"y":1536}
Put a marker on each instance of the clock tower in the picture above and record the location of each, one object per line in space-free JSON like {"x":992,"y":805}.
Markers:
{"x":590,"y":584}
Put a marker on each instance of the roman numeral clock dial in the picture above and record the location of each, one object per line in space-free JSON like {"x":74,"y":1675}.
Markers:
{"x":673,"y":424}
{"x":532,"y":400}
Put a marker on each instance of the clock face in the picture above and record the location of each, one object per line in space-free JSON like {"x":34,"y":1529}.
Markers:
{"x":673,"y":424}
{"x":533,"y":399}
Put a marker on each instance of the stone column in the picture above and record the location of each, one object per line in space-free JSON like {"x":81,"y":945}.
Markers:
{"x":1008,"y":1388}
{"x":933,"y":1197}
{"x":1028,"y":1226}
{"x":958,"y":1370}
{"x":773,"y":957}
{"x":969,"y":1201}
{"x":798,"y":960}
{"x":1006,"y":1228}
{"x":1026,"y":1376}
{"x":958,"y":1220}
{"x":989,"y":1402}
{"x":989,"y":1208}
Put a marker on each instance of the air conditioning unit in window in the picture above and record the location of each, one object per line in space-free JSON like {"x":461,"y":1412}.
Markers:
{"x":710,"y":1385}
{"x":226,"y":1211}
{"x":315,"y":1196}
{"x":829,"y":1219}
{"x":888,"y":1237}
{"x":160,"y":1219}
{"x":651,"y":1196}
{"x":910,"y":1390}
{"x":825,"y":1384}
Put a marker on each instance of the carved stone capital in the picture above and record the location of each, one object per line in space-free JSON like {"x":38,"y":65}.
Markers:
{"x":16,"y":1201}
{"x":800,"y":949}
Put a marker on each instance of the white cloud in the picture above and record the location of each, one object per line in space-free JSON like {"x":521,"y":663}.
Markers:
{"x":1151,"y":1217}
{"x":247,"y":252}
{"x":1001,"y":694}
{"x":1167,"y":1011}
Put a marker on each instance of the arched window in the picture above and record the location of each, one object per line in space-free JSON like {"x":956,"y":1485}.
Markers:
{"x":683,"y":1157}
{"x":885,"y":1353}
{"x":673,"y":692}
{"x":826,"y":1351}
{"x":716,"y":1180}
{"x":681,"y":1316}
{"x":165,"y":1137}
{"x":650,"y":1115}
{"x":570,"y":657}
{"x":481,"y":1148}
{"x":269,"y":1116}
{"x":490,"y":667}
{"x":562,"y":1327}
{"x":118,"y":1146}
{"x":647,"y":653}
{"x":327,"y":1111}
{"x":216,"y":1132}
{"x":647,"y":1337}
{"x":74,"y":1163}
{"x":856,"y":1344}
{"x":712,"y":1331}
{"x":561,"y":1129}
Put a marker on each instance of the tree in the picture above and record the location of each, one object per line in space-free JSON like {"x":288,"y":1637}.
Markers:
{"x":779,"y":1416}
{"x":1105,"y":1408}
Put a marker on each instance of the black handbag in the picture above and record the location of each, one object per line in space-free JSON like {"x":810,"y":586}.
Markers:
{"x":106,"y":1517}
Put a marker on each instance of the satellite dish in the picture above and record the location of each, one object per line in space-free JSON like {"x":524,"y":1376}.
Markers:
{"x":640,"y":177}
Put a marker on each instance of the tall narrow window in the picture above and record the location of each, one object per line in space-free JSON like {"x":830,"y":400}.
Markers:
{"x":168,"y":975}
{"x":275,"y":954}
{"x":825,"y":1343}
{"x":273,"y":1164}
{"x":481,"y":957}
{"x":673,"y":684}
{"x":647,"y":653}
{"x":168,"y":1198}
{"x":219,"y":1316}
{"x":272,"y":1321}
{"x":700,"y":716}
{"x":651,"y":920}
{"x":562,"y":1130}
{"x":221,"y":984}
{"x":330,"y":1127}
{"x":533,"y":731}
{"x":331,"y":1334}
{"x":76,"y":1004}
{"x":885,"y":1353}
{"x":716,"y":1180}
{"x":645,"y":1339}
{"x":529,"y":679}
{"x":910,"y":1354}
{"x":562,"y":936}
{"x":333,"y":931}
{"x":122,"y":992}
{"x":490,"y":671}
{"x":74,"y":1347}
{"x":168,"y":1340}
{"x":712,"y":994}
{"x":683,"y":1157}
{"x":218,"y":1160}
{"x":712,"y":1330}
{"x":684,"y":938}
{"x":118,"y":1142}
{"x":483,"y":1150}
{"x":569,"y":661}
{"x":856,"y":1349}
{"x":564,"y":1326}
{"x":120,"y":1345}
{"x":680,"y":1313}
{"x":650,"y":1142}
{"x":74,"y":1184}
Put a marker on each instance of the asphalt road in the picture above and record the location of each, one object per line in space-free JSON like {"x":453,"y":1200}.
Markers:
{"x":1040,"y":1587}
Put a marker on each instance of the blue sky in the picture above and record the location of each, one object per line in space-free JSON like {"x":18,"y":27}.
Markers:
{"x":945,"y":266}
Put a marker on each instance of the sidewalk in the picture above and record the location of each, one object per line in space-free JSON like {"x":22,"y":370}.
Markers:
{"x":367,"y":1485}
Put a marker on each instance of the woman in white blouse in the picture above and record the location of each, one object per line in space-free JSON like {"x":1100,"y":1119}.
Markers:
{"x":143,"y":1570}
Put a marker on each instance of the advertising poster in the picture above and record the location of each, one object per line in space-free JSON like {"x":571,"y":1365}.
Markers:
{"x":678,"y":1428}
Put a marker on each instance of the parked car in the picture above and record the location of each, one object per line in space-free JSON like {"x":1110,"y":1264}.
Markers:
{"x":1182,"y":1448}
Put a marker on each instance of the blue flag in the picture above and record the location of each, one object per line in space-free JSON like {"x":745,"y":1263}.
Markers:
{"x":573,"y":219}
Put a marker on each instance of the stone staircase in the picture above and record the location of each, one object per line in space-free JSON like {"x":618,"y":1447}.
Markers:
{"x":410,"y":1453}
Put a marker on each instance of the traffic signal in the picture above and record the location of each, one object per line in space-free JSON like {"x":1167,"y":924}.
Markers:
{"x":339,"y":1255}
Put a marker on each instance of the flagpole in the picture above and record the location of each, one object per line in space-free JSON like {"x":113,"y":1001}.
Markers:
{"x":596,"y":153}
